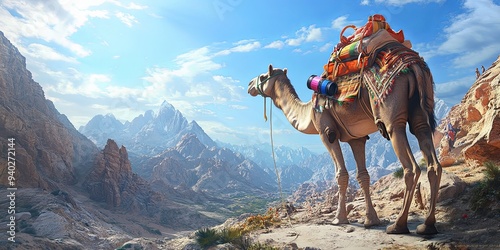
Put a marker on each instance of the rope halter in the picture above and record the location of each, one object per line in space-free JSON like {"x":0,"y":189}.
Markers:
{"x":259,"y":86}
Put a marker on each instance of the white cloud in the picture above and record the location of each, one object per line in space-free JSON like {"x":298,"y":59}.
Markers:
{"x":365,"y":2}
{"x":126,"y":18}
{"x":246,"y":47}
{"x":238,"y":107}
{"x":241,"y":46}
{"x":130,"y":6}
{"x":403,"y":2}
{"x":309,"y":34}
{"x":327,"y":47}
{"x":454,"y":90}
{"x":472,"y":36}
{"x":43,"y":52}
{"x":340,"y":22}
{"x":275,"y":45}
{"x":55,"y":21}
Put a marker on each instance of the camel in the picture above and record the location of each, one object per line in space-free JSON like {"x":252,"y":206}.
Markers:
{"x":411,"y":100}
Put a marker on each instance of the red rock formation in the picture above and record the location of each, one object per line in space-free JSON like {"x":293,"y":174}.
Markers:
{"x":477,"y":118}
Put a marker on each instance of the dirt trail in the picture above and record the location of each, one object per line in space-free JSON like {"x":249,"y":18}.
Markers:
{"x":352,"y":236}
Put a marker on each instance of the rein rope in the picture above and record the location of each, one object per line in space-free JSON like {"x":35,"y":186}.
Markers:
{"x":259,"y":88}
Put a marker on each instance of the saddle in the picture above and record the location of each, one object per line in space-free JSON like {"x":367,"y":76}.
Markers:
{"x":367,"y":55}
{"x":358,"y":51}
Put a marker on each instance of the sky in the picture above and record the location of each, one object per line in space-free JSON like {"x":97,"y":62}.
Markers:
{"x":125,"y":57}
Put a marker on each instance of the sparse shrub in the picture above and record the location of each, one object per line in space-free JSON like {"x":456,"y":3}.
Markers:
{"x":230,"y":235}
{"x":486,"y":191}
{"x":207,"y":237}
{"x":259,"y":221}
{"x":399,"y":173}
{"x":259,"y":246}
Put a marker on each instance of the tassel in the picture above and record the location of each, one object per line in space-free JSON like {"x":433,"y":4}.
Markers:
{"x":265,"y":112}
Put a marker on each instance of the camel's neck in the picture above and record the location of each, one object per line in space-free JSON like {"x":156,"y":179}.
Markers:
{"x":297,"y":112}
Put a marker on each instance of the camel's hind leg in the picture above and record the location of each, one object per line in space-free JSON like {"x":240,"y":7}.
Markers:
{"x":422,"y":131}
{"x":411,"y":175}
{"x":358,"y":149}
{"x":393,"y":112}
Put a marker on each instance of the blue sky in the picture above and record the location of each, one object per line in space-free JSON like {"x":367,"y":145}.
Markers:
{"x":125,"y":57}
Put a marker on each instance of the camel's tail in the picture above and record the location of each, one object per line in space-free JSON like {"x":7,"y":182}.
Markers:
{"x":425,"y":87}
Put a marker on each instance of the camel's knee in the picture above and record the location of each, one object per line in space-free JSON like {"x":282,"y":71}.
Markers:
{"x":342,"y":178}
{"x":434,"y":170}
{"x":363,"y":177}
{"x":409,"y":177}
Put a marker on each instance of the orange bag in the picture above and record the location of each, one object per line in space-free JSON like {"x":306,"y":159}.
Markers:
{"x":344,"y":68}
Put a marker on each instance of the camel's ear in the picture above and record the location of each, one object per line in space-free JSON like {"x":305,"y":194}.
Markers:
{"x":270,"y":69}
{"x":285,"y":71}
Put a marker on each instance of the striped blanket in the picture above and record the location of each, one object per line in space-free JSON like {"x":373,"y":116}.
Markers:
{"x":348,"y":88}
{"x":389,"y":64}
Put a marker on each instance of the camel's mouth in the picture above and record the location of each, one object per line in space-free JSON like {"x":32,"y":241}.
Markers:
{"x":251,"y":87}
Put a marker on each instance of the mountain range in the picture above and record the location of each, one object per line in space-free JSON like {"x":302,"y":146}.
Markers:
{"x":147,"y":134}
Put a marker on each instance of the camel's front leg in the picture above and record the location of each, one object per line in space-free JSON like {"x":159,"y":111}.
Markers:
{"x":341,"y":174}
{"x":358,"y":149}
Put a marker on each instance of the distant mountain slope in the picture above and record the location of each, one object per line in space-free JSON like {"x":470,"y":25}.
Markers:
{"x":148,"y":134}
{"x":216,"y":171}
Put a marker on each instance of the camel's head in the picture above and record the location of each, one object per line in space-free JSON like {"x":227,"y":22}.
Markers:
{"x":264,"y":83}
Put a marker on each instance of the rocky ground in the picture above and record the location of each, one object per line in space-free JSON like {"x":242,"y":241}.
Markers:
{"x":460,"y":228}
{"x":310,"y":225}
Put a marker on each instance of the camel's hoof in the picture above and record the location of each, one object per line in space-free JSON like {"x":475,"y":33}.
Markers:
{"x":426,"y":229}
{"x":395,"y":229}
{"x":371,"y":222}
{"x":340,"y":221}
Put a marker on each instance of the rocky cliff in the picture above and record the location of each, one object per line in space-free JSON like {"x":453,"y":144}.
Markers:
{"x":112,"y":181}
{"x":48,"y":149}
{"x":476,"y":121}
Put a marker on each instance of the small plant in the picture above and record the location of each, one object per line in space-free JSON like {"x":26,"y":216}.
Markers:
{"x":487,"y":191}
{"x":399,"y":173}
{"x":207,"y":237}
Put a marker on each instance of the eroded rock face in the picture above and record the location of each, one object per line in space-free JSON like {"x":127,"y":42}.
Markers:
{"x":112,"y":181}
{"x":477,"y":120}
{"x":48,"y":148}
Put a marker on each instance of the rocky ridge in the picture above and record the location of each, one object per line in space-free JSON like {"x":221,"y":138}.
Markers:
{"x":49,"y":150}
{"x":69,"y":195}
{"x":147,"y":134}
{"x":476,"y":120}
